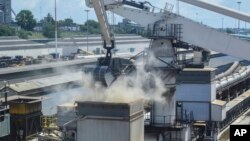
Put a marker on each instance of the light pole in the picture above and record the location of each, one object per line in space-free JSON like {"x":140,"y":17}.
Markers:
{"x":177,"y":7}
{"x":1,"y":14}
{"x":87,"y":11}
{"x":239,"y":3}
{"x":56,"y":31}
{"x":113,"y":21}
{"x":222,"y":23}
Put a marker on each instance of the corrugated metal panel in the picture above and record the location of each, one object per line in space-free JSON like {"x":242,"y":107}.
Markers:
{"x":200,"y":111}
{"x":5,"y":126}
{"x":108,"y":109}
{"x":137,"y":129}
{"x":196,"y":76}
{"x":195,"y":92}
{"x":110,"y":121}
{"x":46,"y":82}
{"x":22,"y":108}
{"x":102,"y":130}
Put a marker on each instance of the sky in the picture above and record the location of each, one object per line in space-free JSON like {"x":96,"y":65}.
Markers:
{"x":75,"y":9}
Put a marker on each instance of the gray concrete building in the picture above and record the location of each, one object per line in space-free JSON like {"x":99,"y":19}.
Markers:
{"x":5,"y":11}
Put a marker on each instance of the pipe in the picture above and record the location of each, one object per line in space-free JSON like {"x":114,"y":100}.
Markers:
{"x":220,"y":9}
{"x":228,"y":72}
{"x":242,"y":73}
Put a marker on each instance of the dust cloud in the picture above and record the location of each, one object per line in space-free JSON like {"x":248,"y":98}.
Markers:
{"x":140,"y":85}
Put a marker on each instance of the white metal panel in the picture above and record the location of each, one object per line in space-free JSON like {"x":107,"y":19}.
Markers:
{"x":141,"y":17}
{"x":213,"y":91}
{"x":194,"y":92}
{"x":220,"y":9}
{"x":212,"y":39}
{"x":103,"y":130}
{"x":137,"y":129}
{"x":136,"y":107}
{"x":200,"y":111}
{"x":218,"y":113}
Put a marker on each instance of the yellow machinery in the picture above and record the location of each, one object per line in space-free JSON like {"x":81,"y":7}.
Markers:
{"x":49,"y":122}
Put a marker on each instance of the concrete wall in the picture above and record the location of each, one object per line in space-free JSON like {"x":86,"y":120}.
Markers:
{"x":103,"y":130}
{"x":218,"y":112}
{"x":137,"y":129}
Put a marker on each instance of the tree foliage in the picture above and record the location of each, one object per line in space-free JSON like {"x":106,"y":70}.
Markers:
{"x":24,"y":34}
{"x":66,"y":22}
{"x":49,"y":30}
{"x":26,"y":20}
{"x":49,"y":27}
{"x":6,"y":30}
{"x":91,"y":26}
{"x":48,"y":19}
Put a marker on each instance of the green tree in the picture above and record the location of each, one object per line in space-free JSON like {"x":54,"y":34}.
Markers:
{"x":24,"y":34}
{"x":26,"y":20}
{"x":68,"y":22}
{"x":49,"y":19}
{"x":92,"y":26}
{"x":49,"y":27}
{"x":49,"y":30}
{"x":6,"y":30}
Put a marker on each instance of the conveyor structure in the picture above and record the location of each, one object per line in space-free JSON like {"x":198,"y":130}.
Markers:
{"x":191,"y":94}
{"x":158,"y":23}
{"x":169,"y":32}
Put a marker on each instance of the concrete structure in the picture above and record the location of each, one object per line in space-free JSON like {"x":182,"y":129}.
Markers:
{"x":14,"y":46}
{"x":5,"y":11}
{"x":110,"y":121}
{"x":44,"y":85}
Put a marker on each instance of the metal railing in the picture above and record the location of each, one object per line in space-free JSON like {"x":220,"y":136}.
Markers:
{"x":235,"y":112}
{"x":170,"y":31}
{"x":166,"y":121}
{"x":49,"y":122}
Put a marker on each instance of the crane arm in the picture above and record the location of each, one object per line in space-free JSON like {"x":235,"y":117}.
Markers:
{"x":101,"y":14}
{"x":192,"y":32}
